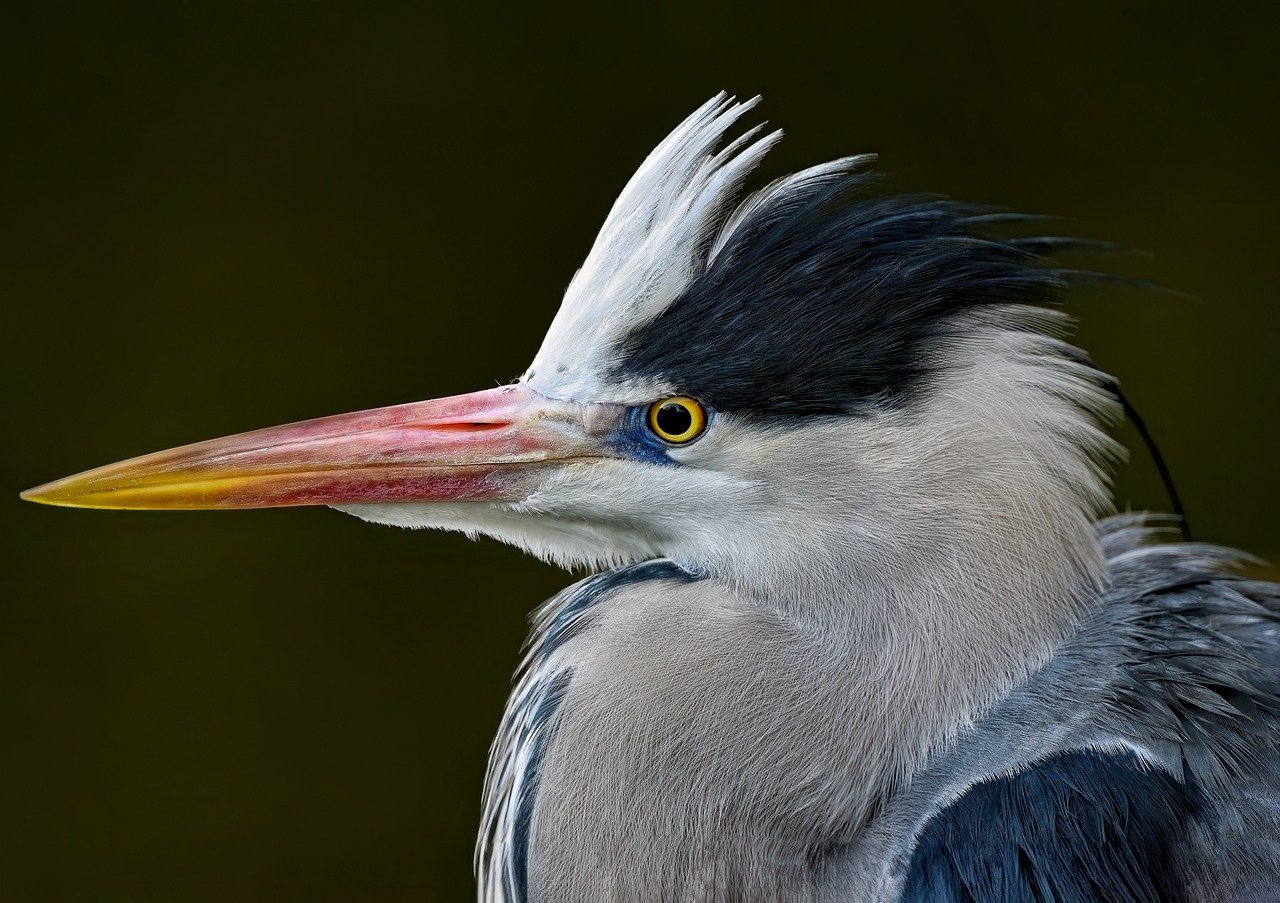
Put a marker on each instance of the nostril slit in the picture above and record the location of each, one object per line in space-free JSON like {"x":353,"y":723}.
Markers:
{"x":467,"y":426}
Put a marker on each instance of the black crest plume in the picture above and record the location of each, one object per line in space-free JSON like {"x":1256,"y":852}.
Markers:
{"x":827,"y":300}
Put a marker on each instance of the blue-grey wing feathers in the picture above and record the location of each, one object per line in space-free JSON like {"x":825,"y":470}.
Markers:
{"x":1157,"y":772}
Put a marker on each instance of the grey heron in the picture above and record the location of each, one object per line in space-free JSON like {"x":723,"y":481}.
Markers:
{"x":861,"y":625}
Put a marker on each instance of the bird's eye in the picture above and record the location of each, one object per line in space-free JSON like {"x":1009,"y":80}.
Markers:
{"x":677,"y":420}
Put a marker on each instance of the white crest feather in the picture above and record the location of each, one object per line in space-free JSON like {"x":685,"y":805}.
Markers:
{"x":654,"y":241}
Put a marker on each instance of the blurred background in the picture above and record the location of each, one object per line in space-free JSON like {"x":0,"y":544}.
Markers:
{"x":219,"y":216}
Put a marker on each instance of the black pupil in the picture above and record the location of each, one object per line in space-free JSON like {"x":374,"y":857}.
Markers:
{"x":674,"y":419}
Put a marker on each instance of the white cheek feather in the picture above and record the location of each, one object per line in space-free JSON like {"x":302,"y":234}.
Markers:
{"x":572,"y":542}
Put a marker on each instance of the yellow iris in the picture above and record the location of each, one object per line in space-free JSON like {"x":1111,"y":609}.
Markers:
{"x":677,"y":420}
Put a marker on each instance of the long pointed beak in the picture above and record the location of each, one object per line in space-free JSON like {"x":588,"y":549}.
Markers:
{"x":477,"y":447}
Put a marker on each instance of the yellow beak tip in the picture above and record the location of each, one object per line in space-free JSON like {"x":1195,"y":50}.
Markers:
{"x":40,"y":495}
{"x":51,"y":494}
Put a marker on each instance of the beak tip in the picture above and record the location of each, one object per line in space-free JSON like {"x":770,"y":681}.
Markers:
{"x":54,"y":494}
{"x":41,"y":495}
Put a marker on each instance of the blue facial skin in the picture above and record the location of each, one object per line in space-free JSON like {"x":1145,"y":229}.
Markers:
{"x":634,"y":439}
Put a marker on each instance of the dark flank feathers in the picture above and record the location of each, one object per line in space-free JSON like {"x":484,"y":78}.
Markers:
{"x":1078,"y":828}
{"x":544,"y":710}
{"x":829,"y":300}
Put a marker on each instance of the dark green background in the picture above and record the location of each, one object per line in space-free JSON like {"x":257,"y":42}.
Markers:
{"x":220,"y":216}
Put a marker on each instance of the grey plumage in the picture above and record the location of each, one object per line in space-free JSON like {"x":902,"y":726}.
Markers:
{"x":511,"y":786}
{"x":1176,"y":661}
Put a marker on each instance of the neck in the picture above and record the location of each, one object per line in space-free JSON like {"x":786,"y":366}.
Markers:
{"x":718,"y":744}
{"x":738,"y":774}
{"x":904,"y":657}
{"x":920,"y":649}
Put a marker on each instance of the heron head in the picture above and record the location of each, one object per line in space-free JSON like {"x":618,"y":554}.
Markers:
{"x":728,"y":383}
